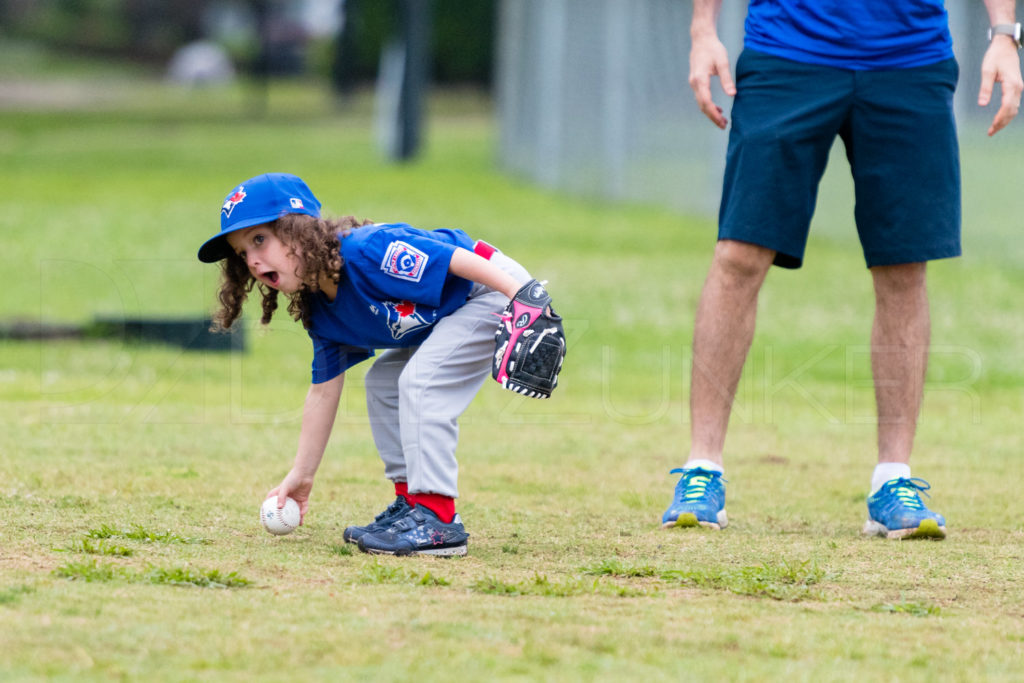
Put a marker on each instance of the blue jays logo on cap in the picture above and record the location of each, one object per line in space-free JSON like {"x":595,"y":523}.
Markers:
{"x":256,"y":201}
{"x":233,"y":200}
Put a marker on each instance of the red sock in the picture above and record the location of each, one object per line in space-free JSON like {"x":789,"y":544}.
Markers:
{"x":402,"y":489}
{"x":442,"y":506}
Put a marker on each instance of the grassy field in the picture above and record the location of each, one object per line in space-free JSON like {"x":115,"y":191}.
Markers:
{"x":130,"y":476}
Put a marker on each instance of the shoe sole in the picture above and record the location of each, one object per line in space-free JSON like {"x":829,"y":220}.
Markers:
{"x":927,"y":529}
{"x":688,"y":520}
{"x":453,"y":551}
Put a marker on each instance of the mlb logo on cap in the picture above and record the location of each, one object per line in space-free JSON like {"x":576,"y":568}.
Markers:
{"x":259,"y":200}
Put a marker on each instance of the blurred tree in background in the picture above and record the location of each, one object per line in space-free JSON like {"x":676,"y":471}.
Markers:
{"x":141,"y":30}
{"x":294,"y":32}
{"x":462,"y":38}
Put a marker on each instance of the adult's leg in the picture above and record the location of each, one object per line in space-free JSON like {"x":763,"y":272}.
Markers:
{"x":724,"y":330}
{"x":784,"y":120}
{"x":903,"y":127}
{"x":899,"y":354}
{"x":786,"y":116}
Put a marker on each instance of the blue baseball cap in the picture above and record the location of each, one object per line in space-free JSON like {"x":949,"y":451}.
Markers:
{"x":258,"y":200}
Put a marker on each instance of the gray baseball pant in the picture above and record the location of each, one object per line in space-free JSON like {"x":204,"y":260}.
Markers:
{"x":414,"y":396}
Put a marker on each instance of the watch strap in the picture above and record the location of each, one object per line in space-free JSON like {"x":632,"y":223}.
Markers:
{"x":1012,"y":30}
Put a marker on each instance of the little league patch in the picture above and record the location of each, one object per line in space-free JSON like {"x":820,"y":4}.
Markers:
{"x":404,"y":261}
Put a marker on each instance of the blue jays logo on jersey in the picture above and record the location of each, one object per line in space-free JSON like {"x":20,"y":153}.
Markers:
{"x":405,"y":317}
{"x":233,"y":200}
{"x":404,"y":261}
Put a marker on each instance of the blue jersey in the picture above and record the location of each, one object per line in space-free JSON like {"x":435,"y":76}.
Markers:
{"x":394,"y":286}
{"x":851,"y":34}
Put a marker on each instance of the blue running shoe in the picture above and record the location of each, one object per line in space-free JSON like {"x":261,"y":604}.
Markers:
{"x":699,"y":500}
{"x":394,"y":512}
{"x":896,"y":511}
{"x":420,"y":532}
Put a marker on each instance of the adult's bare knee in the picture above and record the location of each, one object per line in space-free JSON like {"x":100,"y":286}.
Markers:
{"x":741,"y":263}
{"x":903,"y":277}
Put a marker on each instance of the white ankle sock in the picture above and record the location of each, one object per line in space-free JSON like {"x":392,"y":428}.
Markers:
{"x":884,"y":471}
{"x":706,"y":464}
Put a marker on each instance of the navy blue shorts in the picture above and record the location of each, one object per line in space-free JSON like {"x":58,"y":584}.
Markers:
{"x":900,"y":139}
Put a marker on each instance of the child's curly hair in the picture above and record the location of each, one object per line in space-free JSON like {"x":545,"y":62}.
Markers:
{"x":319,"y":242}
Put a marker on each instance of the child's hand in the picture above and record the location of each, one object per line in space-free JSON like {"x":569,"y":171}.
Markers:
{"x":295,"y":485}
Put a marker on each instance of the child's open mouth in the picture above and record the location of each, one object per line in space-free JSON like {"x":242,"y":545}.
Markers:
{"x":272,"y":278}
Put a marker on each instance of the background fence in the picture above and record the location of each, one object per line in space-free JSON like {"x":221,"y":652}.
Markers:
{"x":593,"y":96}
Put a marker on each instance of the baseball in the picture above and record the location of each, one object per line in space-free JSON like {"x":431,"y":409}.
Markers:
{"x":280,"y":522}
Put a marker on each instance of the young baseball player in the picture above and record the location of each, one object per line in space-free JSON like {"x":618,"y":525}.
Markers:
{"x":431,"y":299}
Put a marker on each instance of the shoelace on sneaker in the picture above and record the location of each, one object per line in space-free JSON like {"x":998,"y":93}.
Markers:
{"x":391,"y":510}
{"x":694,"y":482}
{"x":905,"y":490}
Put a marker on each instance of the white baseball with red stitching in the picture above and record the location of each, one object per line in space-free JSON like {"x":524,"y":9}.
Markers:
{"x":280,"y":521}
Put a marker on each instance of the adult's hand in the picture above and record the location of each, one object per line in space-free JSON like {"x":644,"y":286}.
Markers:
{"x":1001,"y":65}
{"x":708,"y":58}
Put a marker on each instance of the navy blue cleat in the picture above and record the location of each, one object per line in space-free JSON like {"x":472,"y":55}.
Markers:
{"x":699,"y":500}
{"x":394,"y":512}
{"x":420,"y":532}
{"x":897,"y":512}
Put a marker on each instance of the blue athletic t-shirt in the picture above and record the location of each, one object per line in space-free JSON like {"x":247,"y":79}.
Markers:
{"x":851,"y":34}
{"x":394,"y":286}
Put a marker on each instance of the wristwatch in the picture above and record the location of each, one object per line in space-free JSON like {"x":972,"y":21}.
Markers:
{"x":1012,"y":30}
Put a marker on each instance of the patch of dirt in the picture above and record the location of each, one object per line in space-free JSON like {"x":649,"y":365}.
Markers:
{"x":66,"y":94}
